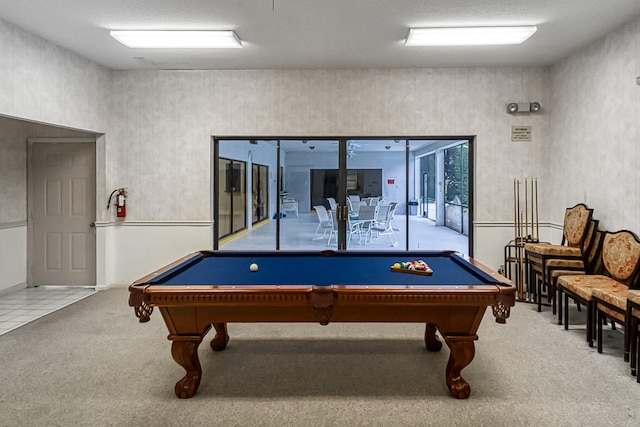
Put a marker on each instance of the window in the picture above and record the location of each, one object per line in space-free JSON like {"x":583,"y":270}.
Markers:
{"x":259,"y":192}
{"x":232,"y":203}
{"x":456,"y":190}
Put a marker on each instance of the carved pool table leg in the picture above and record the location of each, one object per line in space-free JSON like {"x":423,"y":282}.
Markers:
{"x":430,"y":339}
{"x":462,"y":352}
{"x":219,"y":342}
{"x":185,"y":353}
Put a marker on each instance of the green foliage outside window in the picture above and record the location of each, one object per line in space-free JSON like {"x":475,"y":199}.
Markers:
{"x":456,"y":179}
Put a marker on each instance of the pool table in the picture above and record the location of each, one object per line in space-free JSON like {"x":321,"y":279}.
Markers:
{"x":212,"y":288}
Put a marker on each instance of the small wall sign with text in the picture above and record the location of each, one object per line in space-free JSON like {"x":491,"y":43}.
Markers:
{"x":391,"y":181}
{"x":521,"y":133}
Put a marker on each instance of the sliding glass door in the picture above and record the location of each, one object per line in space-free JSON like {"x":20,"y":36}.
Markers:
{"x":310,"y":185}
{"x":337,"y":193}
{"x":259,"y":193}
{"x":244,"y":193}
{"x":231,"y":206}
{"x":376,"y":188}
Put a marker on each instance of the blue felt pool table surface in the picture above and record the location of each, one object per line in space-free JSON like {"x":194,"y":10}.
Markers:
{"x":230,"y":268}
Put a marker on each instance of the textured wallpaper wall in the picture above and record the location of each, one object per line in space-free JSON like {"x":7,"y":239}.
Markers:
{"x":159,"y":141}
{"x":43,"y":82}
{"x":595,"y":131}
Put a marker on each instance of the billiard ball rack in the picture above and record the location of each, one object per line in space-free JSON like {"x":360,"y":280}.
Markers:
{"x":427,"y":272}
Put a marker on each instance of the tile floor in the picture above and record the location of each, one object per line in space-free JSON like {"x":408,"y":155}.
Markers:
{"x":22,"y":306}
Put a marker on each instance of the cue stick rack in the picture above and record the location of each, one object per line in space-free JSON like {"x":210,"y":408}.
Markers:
{"x":526,"y":229}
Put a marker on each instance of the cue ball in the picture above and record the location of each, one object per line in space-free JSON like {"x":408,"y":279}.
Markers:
{"x":253,"y":267}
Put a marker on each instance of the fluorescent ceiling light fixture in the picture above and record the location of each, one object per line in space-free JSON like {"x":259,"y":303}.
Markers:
{"x":468,"y":36}
{"x":178,"y":39}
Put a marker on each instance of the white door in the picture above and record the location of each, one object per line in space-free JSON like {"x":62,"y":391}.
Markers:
{"x":62,"y":213}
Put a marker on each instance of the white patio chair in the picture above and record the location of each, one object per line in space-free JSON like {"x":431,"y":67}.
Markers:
{"x":324,"y":224}
{"x":354,"y":207}
{"x":383,"y":223}
{"x":394,"y":224}
{"x":352,"y":228}
{"x":332,"y":203}
{"x":366,"y":218}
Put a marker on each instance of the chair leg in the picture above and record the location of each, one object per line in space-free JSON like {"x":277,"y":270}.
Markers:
{"x":392,"y":237}
{"x":393,"y":222}
{"x":527,"y":275}
{"x":637,"y":341}
{"x":638,"y":347}
{"x":633,"y":339}
{"x":591,"y":324}
{"x":566,"y":311}
{"x":559,"y":300}
{"x":637,"y":350}
{"x":548,"y":285}
{"x":316,"y":236}
{"x":600,"y":317}
{"x":627,"y":337}
{"x":330,"y":235}
{"x":539,"y":294}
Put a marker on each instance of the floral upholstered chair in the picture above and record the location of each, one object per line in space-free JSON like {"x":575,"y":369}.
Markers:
{"x":576,"y":225}
{"x":633,"y":311}
{"x":590,"y":264}
{"x":621,"y":260}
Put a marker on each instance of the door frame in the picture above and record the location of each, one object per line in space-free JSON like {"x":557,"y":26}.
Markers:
{"x":342,"y":178}
{"x":30,"y":172}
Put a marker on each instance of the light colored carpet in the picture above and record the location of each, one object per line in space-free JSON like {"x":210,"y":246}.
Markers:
{"x":93,"y":364}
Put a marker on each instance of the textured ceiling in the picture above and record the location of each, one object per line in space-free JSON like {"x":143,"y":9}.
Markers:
{"x":318,"y":34}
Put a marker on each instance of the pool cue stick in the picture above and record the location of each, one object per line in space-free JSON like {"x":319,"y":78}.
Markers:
{"x":521,"y":259}
{"x":526,"y":211}
{"x":518,"y":213}
{"x":520,"y":249}
{"x":515,"y":230}
{"x":532,"y":217}
{"x":515,"y":213}
{"x":537,"y":217}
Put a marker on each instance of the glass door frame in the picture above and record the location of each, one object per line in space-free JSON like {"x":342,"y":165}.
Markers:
{"x":341,"y":195}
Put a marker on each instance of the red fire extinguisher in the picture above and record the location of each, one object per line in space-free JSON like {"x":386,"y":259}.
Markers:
{"x":120,"y":203}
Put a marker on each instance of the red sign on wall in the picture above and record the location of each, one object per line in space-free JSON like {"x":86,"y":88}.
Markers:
{"x":390,"y":181}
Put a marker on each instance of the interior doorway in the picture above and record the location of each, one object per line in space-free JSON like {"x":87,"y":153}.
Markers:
{"x":61,"y":212}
